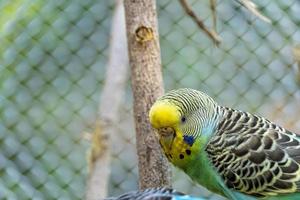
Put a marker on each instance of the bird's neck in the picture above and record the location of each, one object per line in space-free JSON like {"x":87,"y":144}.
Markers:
{"x":198,"y":167}
{"x":210,"y":126}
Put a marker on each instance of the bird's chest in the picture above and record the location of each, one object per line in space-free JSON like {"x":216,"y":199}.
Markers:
{"x":202,"y":172}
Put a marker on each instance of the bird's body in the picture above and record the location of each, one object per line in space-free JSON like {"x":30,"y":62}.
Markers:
{"x":230,"y":152}
{"x":154,"y":194}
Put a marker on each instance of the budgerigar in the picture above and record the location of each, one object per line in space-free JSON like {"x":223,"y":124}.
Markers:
{"x":155,"y":194}
{"x":230,"y":152}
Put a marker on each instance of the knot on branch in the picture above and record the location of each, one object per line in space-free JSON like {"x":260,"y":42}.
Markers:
{"x":144,"y":34}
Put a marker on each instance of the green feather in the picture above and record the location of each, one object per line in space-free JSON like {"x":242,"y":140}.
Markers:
{"x":202,"y":172}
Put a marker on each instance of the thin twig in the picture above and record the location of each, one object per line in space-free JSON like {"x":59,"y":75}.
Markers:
{"x":210,"y":33}
{"x":248,"y":4}
{"x":214,"y":15}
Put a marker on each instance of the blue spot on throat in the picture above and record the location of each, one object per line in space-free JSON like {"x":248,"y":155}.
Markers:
{"x":189,"y":139}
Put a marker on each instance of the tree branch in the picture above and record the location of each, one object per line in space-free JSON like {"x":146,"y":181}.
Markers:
{"x":112,"y":94}
{"x":296,"y":55}
{"x":210,"y":33}
{"x":214,"y":15}
{"x":147,"y":85}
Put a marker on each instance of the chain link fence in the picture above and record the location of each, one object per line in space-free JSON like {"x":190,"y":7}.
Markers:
{"x":53,"y":58}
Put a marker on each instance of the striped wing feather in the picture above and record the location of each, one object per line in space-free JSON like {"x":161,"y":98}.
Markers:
{"x":255,"y":156}
{"x":150,"y":194}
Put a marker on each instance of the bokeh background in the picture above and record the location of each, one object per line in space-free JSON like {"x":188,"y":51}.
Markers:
{"x":52,"y":69}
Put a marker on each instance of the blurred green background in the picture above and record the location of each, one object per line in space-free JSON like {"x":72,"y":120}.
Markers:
{"x":52,"y":68}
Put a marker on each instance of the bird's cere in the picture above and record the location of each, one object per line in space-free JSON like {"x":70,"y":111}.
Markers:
{"x":166,"y":132}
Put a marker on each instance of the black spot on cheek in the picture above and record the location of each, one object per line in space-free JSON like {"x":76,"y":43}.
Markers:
{"x":181,"y":156}
{"x":188,"y":152}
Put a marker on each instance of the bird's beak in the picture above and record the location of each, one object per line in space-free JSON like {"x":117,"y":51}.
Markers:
{"x":166,"y":136}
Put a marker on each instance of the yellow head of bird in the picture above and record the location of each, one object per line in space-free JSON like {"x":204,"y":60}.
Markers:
{"x":165,"y":118}
{"x":164,"y":114}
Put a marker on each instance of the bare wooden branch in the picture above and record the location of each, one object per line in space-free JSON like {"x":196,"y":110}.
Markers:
{"x":147,"y":85}
{"x":113,"y":93}
{"x":248,"y":4}
{"x":210,"y":33}
{"x":214,"y":14}
{"x":296,"y":55}
{"x":98,"y":163}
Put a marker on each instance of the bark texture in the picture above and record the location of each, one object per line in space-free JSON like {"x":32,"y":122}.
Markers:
{"x":113,"y":93}
{"x":296,"y":54}
{"x":147,"y":85}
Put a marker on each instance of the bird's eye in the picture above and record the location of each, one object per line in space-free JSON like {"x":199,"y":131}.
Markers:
{"x":183,"y":119}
